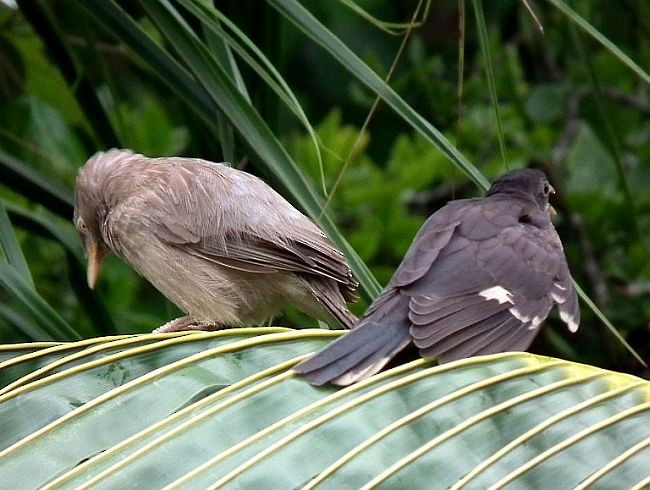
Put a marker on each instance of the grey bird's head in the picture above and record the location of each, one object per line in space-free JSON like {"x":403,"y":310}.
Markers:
{"x":93,"y":199}
{"x":530,"y":184}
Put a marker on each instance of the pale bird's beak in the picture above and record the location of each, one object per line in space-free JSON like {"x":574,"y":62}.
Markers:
{"x":96,"y":256}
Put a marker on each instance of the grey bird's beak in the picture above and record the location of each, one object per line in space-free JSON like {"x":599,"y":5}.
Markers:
{"x":96,"y":255}
{"x":551,"y":210}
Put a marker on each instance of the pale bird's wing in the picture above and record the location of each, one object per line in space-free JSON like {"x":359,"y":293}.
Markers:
{"x":234,"y":219}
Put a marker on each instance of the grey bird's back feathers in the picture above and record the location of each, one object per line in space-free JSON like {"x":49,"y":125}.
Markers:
{"x":228,"y":249}
{"x":479,"y":278}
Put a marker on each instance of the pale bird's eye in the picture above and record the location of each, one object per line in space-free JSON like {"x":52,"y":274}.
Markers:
{"x":547,"y":188}
{"x":81,"y":225}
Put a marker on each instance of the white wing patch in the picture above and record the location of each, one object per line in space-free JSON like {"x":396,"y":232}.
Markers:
{"x":558,"y":298}
{"x":534,"y":323}
{"x":518,"y":315}
{"x":570,"y":321}
{"x":501,"y":294}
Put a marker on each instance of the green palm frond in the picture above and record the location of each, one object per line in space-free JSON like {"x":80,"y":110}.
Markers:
{"x":196,"y":410}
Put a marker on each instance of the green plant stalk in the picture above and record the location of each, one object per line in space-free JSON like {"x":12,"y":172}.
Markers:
{"x":461,"y":67}
{"x":484,"y":41}
{"x":573,"y":16}
{"x":371,"y":112}
{"x":295,"y":13}
{"x":264,"y":68}
{"x":609,"y":130}
{"x":392,"y":28}
{"x":224,"y":128}
{"x":607,"y":323}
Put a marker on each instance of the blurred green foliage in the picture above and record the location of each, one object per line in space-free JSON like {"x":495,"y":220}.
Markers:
{"x":551,"y":105}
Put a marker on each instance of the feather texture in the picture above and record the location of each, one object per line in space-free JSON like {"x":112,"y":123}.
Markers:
{"x":218,"y":242}
{"x":479,"y":278}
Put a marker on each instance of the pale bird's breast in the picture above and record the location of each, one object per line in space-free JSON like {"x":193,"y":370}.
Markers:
{"x":197,"y":288}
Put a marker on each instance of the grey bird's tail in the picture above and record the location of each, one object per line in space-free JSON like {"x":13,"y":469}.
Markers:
{"x":379,"y":335}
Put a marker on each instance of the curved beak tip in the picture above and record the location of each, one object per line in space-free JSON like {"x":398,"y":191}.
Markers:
{"x":95,"y":258}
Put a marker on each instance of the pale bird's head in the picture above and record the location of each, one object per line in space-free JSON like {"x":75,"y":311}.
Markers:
{"x":92,"y":204}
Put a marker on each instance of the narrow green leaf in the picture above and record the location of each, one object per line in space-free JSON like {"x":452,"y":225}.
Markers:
{"x":11,"y":249}
{"x":213,"y":19}
{"x":461,"y":66}
{"x":21,"y":321}
{"x":612,"y":136}
{"x":46,"y":25}
{"x":22,"y":178}
{"x":532,"y":14}
{"x":117,"y":21}
{"x":608,"y":324}
{"x":484,"y":41}
{"x":393,"y":28}
{"x":226,"y":132}
{"x":574,"y":17}
{"x":221,"y":50}
{"x":53,"y":326}
{"x":47,"y":228}
{"x":312,"y":28}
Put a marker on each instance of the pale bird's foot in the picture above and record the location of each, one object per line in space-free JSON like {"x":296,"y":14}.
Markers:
{"x":184,"y":323}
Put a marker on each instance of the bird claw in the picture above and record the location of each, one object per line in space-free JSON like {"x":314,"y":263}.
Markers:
{"x":185,"y":323}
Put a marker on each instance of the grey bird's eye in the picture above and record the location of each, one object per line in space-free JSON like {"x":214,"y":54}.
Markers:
{"x":547,"y":188}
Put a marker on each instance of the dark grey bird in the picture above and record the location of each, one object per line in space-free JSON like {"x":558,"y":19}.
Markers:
{"x":218,"y":242}
{"x":479,"y":278}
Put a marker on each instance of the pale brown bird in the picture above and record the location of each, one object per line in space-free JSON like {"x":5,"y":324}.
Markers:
{"x":218,"y":242}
